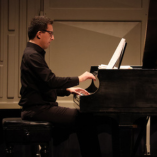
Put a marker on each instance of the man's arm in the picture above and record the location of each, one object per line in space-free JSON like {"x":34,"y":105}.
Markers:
{"x":77,"y":90}
{"x":83,"y":77}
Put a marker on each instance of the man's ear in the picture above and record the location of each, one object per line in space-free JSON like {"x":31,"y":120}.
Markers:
{"x":39,"y":34}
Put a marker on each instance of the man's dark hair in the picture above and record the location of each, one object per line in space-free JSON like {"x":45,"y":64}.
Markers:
{"x":38,"y":23}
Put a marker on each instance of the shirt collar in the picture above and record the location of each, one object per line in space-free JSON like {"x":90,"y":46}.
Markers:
{"x":36,"y":47}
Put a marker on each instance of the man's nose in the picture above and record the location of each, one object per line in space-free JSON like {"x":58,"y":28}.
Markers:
{"x":52,"y":37}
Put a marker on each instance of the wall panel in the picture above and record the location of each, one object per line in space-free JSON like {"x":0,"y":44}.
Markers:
{"x":15,"y":16}
{"x":33,"y":9}
{"x":1,"y":81}
{"x":4,"y":45}
{"x":22,"y":36}
{"x":0,"y":30}
{"x":2,"y":4}
{"x":12,"y":15}
{"x":11,"y":65}
{"x":91,"y":43}
{"x":95,"y":4}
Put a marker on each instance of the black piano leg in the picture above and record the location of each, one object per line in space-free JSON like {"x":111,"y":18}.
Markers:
{"x":126,"y":140}
{"x":115,"y":140}
{"x":142,"y":132}
{"x":122,"y":140}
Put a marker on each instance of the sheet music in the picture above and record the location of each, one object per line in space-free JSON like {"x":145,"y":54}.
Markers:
{"x":103,"y":66}
{"x":116,"y":54}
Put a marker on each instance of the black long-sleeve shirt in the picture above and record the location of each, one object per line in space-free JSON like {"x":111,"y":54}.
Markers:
{"x":40,"y":86}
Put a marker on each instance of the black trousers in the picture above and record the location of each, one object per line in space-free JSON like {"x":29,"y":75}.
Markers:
{"x":72,"y":120}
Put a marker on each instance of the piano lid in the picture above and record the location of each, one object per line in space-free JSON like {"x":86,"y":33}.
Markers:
{"x":150,"y":50}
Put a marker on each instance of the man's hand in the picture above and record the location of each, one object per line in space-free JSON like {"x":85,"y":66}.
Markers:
{"x":86,"y":76}
{"x":78,"y":91}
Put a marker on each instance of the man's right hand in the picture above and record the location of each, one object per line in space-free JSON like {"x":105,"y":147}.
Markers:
{"x":86,"y":76}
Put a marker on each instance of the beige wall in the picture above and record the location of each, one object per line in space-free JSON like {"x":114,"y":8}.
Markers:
{"x":14,"y":18}
{"x":86,"y":33}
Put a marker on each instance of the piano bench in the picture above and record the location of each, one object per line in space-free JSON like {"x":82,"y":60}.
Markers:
{"x":18,"y":131}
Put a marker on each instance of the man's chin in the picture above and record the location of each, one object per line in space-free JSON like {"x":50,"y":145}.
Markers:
{"x":47,"y":46}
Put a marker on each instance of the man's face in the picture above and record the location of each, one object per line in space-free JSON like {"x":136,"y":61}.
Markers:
{"x":46,"y":37}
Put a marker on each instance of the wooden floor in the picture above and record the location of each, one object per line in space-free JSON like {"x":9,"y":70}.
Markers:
{"x":70,"y":147}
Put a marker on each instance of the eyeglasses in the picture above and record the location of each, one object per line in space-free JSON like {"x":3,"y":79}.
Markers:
{"x":50,"y":32}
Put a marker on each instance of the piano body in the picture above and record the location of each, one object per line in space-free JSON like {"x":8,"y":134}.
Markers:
{"x":122,"y":91}
{"x":127,"y":94}
{"x":124,"y":95}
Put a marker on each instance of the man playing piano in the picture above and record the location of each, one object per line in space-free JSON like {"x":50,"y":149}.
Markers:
{"x":40,"y":88}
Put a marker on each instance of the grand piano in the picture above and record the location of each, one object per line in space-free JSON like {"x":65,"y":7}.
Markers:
{"x":126,"y":95}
